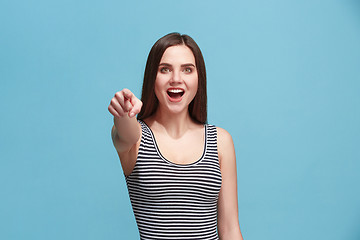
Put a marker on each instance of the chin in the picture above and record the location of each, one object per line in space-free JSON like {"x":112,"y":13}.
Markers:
{"x":177,"y":109}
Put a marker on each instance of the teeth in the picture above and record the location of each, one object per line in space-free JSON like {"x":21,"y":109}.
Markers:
{"x":175,"y":90}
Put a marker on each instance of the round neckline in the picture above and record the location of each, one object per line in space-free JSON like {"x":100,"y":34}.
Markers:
{"x":171,"y":162}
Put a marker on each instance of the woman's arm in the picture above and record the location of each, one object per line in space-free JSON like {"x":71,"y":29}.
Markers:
{"x":126,"y":131}
{"x":228,"y":219}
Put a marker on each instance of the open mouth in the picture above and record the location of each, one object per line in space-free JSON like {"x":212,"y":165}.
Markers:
{"x":175,"y":93}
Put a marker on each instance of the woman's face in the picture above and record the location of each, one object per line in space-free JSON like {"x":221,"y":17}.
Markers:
{"x":176,"y":81}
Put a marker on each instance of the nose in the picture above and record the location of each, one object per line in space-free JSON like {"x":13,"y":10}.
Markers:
{"x":176,"y":77}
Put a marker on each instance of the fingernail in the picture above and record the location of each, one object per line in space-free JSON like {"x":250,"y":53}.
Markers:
{"x":131,"y":114}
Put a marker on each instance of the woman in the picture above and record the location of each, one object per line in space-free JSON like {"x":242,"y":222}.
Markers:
{"x":180,"y":171}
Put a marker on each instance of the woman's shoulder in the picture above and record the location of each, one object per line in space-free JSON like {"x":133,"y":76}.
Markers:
{"x":224,"y":138}
{"x":222,"y":133}
{"x":225,"y":145}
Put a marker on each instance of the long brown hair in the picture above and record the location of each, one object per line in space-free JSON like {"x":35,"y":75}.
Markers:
{"x":198,"y":106}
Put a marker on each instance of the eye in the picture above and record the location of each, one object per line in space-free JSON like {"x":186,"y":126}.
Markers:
{"x":187,"y":70}
{"x":164,"y":70}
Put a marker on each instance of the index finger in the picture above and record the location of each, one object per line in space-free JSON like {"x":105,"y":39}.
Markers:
{"x":127,"y":93}
{"x":131,"y":97}
{"x":136,"y":108}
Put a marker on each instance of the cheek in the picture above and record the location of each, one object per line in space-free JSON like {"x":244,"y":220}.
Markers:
{"x":156,"y":90}
{"x":158,"y":87}
{"x":194,"y":85}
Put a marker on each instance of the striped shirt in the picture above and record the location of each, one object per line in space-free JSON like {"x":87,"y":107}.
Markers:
{"x":175,"y":201}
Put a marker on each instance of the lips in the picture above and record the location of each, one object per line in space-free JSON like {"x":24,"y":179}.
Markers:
{"x":175,"y":94}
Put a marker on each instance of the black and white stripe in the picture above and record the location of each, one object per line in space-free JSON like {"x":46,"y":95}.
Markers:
{"x":175,"y":201}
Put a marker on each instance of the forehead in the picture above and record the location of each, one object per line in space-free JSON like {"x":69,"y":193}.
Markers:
{"x":178,"y":54}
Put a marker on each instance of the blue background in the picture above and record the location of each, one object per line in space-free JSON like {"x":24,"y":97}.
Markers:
{"x":283,"y":79}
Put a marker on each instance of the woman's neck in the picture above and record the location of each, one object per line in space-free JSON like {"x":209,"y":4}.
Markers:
{"x":175,"y":125}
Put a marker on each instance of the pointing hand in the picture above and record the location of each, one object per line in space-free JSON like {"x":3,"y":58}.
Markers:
{"x":124,"y":103}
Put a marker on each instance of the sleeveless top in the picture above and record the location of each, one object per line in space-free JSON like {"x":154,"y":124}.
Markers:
{"x":175,"y":201}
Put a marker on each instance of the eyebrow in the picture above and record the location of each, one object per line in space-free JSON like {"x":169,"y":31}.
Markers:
{"x":182,"y":65}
